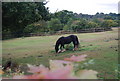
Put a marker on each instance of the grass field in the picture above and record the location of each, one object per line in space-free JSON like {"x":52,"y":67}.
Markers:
{"x":101,"y":47}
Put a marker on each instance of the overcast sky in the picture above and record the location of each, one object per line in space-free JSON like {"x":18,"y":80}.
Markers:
{"x":84,"y":6}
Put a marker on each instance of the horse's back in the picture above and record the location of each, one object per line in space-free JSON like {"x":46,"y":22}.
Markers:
{"x":67,"y":40}
{"x":64,"y":40}
{"x":73,"y":36}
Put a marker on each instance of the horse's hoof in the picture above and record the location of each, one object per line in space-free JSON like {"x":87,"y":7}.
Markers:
{"x":63,"y":50}
{"x":75,"y":49}
{"x":59,"y":51}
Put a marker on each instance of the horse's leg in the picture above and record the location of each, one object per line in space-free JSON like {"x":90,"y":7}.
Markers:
{"x":74,"y":48}
{"x":63,"y":48}
{"x":60,"y":50}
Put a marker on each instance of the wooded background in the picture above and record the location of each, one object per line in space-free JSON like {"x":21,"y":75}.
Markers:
{"x":33,"y":18}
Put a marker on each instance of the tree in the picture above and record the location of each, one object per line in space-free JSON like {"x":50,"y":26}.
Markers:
{"x":64,"y":16}
{"x":77,"y":25}
{"x":108,"y":17}
{"x":37,"y":27}
{"x":107,"y":24}
{"x":68,"y":25}
{"x":92,"y":25}
{"x":54,"y":25}
{"x":98,"y":21}
{"x":17,"y":15}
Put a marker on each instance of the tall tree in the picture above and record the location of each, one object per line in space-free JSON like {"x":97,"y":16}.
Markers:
{"x":64,"y":16}
{"x":17,"y":15}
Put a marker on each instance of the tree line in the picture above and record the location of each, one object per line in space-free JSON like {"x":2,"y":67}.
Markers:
{"x":21,"y":18}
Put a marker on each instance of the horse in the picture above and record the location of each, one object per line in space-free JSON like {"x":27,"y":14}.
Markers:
{"x":66,"y":40}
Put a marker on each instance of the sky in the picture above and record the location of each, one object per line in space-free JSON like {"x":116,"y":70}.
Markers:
{"x":84,"y":6}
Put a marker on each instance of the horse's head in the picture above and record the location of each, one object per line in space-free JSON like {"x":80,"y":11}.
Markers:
{"x":76,"y":47}
{"x":56,"y":49}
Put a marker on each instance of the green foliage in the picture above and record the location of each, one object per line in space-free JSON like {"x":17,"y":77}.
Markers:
{"x":17,"y":15}
{"x":92,"y":24}
{"x":69,"y":47}
{"x":108,"y":24}
{"x":78,"y":25}
{"x":6,"y":34}
{"x":64,"y":16}
{"x":68,"y":25}
{"x":37,"y":27}
{"x":98,"y":21}
{"x":29,"y":28}
{"x":54,"y":25}
{"x":108,"y":17}
{"x":33,"y":17}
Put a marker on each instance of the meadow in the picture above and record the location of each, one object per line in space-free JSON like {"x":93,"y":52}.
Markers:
{"x":100,"y":47}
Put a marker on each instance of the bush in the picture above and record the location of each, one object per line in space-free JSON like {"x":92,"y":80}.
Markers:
{"x":108,"y":23}
{"x":6,"y":34}
{"x":55,"y":25}
{"x":78,"y":25}
{"x":38,"y":27}
{"x":92,"y":25}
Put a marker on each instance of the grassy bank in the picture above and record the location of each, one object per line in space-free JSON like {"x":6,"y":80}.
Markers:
{"x":101,"y":47}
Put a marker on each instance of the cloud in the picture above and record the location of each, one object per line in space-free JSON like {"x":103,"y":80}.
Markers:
{"x":84,"y":6}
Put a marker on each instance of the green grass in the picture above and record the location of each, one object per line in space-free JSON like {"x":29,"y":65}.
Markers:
{"x":39,"y":50}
